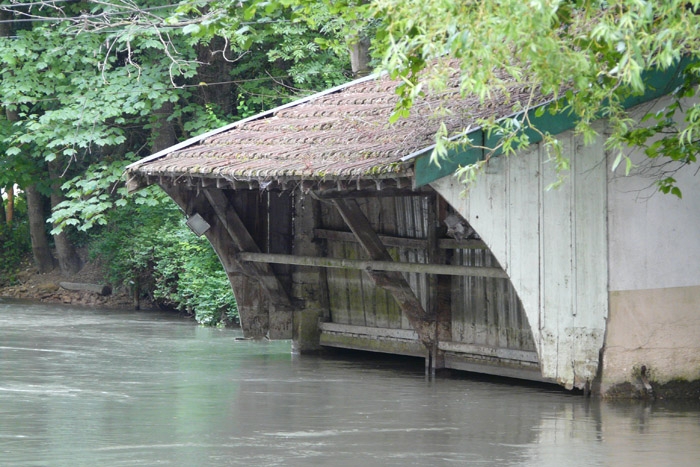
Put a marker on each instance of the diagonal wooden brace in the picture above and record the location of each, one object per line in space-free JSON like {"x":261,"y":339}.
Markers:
{"x":243,"y":241}
{"x":393,"y":282}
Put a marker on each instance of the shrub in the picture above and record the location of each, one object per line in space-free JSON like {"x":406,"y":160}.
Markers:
{"x":148,"y":246}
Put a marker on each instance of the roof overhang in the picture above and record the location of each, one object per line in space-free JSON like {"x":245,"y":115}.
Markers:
{"x":658,"y":83}
{"x":213,"y":160}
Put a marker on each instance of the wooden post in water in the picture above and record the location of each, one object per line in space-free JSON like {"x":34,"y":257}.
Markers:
{"x":308,"y":281}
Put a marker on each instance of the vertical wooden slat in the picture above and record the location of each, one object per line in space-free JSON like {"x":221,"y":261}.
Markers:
{"x":591,"y":268}
{"x":557,"y":278}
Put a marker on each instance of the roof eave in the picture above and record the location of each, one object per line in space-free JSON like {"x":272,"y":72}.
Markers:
{"x":267,"y":113}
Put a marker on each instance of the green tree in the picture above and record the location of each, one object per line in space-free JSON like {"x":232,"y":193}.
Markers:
{"x":587,"y":55}
{"x":90,"y":86}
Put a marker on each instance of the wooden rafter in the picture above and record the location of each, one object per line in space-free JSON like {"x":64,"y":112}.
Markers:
{"x":392,"y":281}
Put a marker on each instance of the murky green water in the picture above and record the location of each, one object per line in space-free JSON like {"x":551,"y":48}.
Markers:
{"x":82,"y":387}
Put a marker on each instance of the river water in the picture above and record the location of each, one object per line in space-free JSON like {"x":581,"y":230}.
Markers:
{"x":114,"y":388}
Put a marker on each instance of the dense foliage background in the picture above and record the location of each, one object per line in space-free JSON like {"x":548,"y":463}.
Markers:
{"x":88,"y":86}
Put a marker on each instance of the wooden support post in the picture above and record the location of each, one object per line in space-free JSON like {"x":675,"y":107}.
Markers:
{"x":309,"y":283}
{"x":439,"y":298}
{"x":394,"y":282}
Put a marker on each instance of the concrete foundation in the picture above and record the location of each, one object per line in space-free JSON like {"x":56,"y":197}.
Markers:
{"x":652,"y":340}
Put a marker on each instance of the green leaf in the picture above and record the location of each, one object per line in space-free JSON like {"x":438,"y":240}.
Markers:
{"x":617,"y":161}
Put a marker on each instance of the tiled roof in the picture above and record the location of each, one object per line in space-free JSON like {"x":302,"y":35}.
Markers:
{"x":339,"y":135}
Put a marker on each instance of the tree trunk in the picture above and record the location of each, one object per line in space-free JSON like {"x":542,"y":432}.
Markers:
{"x":6,"y":30}
{"x":68,"y":259}
{"x":358,"y":45}
{"x":218,"y":60}
{"x":37,"y":230}
{"x":10,"y":211}
{"x":3,"y":216}
{"x":12,"y":116}
{"x":6,"y":23}
{"x":163,"y":132}
{"x":359,"y":57}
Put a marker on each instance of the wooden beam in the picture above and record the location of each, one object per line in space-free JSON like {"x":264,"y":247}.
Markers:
{"x":492,"y":352}
{"x":243,"y":241}
{"x":372,"y":265}
{"x":253,"y":301}
{"x":404,"y":242}
{"x":401,"y":242}
{"x":372,"y":331}
{"x":135,"y":182}
{"x":372,"y":192}
{"x":392,"y":281}
{"x":452,"y":244}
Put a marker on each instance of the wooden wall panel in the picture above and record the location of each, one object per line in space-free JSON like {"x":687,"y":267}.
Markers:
{"x":484,"y":311}
{"x":487,"y":311}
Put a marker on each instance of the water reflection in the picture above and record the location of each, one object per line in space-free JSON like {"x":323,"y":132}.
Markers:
{"x":84,"y":387}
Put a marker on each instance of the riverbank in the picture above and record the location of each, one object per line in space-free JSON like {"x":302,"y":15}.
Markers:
{"x":28,"y":284}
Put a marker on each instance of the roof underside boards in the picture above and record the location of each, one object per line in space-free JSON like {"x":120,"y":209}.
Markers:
{"x":343,"y":135}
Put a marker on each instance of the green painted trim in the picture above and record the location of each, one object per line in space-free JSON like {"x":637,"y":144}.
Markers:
{"x":658,"y":83}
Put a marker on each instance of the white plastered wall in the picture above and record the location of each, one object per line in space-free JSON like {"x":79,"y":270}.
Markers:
{"x":552,"y":244}
{"x":654,"y":262}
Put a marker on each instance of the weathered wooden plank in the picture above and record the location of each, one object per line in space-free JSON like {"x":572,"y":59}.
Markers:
{"x":457,"y":296}
{"x":338,"y":293}
{"x":373,"y":208}
{"x":489,"y":351}
{"x":524,"y":200}
{"x":329,"y":219}
{"x":438,"y":286}
{"x":410,"y":223}
{"x":488,"y":210}
{"x":462,"y":301}
{"x":479,"y":301}
{"x":557,"y":271}
{"x":280,"y":240}
{"x":390,"y":227}
{"x":388,"y":241}
{"x":591,"y":266}
{"x":494,"y":306}
{"x":527,"y":371}
{"x":389,"y":345}
{"x":401,"y":230}
{"x":370,"y":331}
{"x":452,"y":244}
{"x":353,"y":285}
{"x":373,"y":266}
